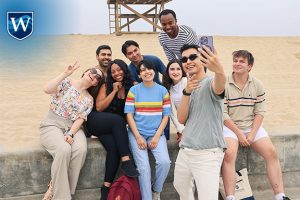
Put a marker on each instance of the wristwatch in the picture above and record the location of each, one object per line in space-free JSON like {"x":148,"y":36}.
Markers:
{"x":186,"y":93}
{"x":69,"y":133}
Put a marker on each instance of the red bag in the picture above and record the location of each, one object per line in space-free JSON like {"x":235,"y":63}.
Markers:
{"x":125,"y":188}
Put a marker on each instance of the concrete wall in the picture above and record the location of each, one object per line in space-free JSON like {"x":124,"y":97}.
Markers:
{"x":24,"y":175}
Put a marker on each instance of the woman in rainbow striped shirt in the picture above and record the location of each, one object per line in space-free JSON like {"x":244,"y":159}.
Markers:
{"x":148,"y":109}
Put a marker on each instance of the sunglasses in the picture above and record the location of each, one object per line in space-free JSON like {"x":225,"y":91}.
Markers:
{"x":191,"y":58}
{"x":97,"y":76}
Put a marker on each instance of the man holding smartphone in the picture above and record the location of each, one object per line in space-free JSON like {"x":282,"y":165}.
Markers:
{"x":201,"y":110}
{"x":174,"y":36}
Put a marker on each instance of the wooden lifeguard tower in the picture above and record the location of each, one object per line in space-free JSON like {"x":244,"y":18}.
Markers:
{"x":119,"y":22}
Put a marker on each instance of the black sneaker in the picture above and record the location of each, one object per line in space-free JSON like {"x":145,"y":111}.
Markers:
{"x":286,"y":198}
{"x":128,"y":168}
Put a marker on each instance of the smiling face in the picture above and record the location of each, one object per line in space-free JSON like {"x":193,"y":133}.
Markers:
{"x":169,"y":25}
{"x":147,"y":75}
{"x":193,"y":65}
{"x":175,"y":72}
{"x":117,"y":73}
{"x":240,"y":65}
{"x":133,"y":53}
{"x":104,"y":57}
{"x":92,"y":76}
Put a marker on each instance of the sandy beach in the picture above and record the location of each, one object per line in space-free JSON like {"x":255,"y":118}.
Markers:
{"x":23,"y":103}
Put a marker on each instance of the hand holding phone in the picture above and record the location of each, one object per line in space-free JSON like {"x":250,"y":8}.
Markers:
{"x":207,"y":41}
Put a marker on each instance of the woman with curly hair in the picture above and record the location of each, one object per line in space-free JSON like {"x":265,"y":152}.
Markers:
{"x":175,"y":81}
{"x":107,"y":122}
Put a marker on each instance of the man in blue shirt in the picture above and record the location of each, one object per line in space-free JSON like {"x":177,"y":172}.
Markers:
{"x":131,"y":50}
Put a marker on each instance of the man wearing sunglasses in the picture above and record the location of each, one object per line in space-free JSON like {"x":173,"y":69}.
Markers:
{"x":174,"y":36}
{"x":201,"y":110}
{"x":103,"y":56}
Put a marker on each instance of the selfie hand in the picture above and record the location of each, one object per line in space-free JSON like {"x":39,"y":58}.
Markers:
{"x":211,"y":60}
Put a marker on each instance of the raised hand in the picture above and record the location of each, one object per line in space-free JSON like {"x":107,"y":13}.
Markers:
{"x":71,"y":68}
{"x":192,"y":83}
{"x":210,"y":59}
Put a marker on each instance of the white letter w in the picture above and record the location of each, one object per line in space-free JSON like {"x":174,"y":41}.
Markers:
{"x":16,"y":27}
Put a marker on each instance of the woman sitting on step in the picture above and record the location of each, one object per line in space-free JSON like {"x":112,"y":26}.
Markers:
{"x":61,"y":133}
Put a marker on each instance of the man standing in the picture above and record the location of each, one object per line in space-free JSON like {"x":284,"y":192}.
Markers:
{"x":174,"y":36}
{"x":243,"y":117}
{"x":201,"y":110}
{"x":131,"y":50}
{"x":103,"y":55}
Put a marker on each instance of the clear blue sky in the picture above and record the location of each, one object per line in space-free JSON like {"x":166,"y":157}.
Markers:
{"x":210,"y":17}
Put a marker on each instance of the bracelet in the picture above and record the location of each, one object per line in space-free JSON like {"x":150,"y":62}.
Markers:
{"x":186,"y":93}
{"x":69,"y":133}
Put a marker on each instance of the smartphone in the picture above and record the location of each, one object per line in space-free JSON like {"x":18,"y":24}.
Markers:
{"x":207,"y":41}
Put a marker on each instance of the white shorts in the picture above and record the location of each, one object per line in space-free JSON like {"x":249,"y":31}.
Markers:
{"x":261,"y":133}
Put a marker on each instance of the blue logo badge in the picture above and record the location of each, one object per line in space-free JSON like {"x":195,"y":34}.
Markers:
{"x":20,"y":24}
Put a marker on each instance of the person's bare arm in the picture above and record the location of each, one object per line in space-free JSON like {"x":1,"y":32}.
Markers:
{"x":212,"y":62}
{"x":52,"y":85}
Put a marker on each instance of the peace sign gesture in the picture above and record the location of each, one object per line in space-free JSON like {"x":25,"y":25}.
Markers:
{"x":71,"y":68}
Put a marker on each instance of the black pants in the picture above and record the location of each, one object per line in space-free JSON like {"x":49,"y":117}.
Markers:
{"x":111,"y":130}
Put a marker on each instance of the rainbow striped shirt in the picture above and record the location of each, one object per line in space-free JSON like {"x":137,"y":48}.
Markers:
{"x":149,"y":105}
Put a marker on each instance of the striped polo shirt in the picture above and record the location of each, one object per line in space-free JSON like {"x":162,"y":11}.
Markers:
{"x":149,"y":105}
{"x":172,"y":46}
{"x":241,"y":105}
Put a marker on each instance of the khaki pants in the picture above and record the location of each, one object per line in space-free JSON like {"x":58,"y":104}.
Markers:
{"x":67,"y":159}
{"x":203,"y":166}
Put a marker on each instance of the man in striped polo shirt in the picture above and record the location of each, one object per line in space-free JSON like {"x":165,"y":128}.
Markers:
{"x":174,"y":36}
{"x":243,"y":116}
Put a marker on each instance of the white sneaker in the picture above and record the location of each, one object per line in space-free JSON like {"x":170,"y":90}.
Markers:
{"x":156,"y":195}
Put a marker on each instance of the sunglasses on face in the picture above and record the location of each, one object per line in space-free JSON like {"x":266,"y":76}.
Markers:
{"x":97,"y":76}
{"x":191,"y":58}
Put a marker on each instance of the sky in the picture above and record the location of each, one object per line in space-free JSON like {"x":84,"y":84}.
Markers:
{"x":210,"y":17}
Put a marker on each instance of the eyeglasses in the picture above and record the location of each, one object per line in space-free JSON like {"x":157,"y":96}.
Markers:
{"x":191,"y":58}
{"x":97,"y":76}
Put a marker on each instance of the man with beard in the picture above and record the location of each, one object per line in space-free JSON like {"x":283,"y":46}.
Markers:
{"x":103,"y":55}
{"x":174,"y":36}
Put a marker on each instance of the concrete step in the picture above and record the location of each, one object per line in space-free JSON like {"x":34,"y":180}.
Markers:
{"x":24,"y":174}
{"x":167,"y":194}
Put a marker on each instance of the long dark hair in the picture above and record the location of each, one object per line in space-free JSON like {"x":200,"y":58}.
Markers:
{"x":166,"y":80}
{"x":127,"y":81}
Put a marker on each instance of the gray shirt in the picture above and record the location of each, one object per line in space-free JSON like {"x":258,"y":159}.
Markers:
{"x":204,"y":126}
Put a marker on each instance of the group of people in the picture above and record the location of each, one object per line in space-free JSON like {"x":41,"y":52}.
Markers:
{"x":128,"y":108}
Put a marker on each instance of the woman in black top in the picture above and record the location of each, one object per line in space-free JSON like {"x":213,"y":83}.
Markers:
{"x":107,"y":122}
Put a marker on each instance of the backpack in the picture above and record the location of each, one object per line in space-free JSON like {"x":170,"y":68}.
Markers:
{"x":125,"y":188}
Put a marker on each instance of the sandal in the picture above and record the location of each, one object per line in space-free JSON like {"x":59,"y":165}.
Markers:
{"x":49,"y":194}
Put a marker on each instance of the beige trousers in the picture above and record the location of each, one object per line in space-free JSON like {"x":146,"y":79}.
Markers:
{"x":204,"y":167}
{"x":67,"y":159}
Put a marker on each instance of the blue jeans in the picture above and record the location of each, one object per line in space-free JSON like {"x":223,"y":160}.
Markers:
{"x":141,"y":159}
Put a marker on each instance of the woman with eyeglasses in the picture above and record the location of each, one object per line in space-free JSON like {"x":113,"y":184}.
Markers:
{"x":175,"y":81}
{"x":107,"y":122}
{"x":61,"y":133}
